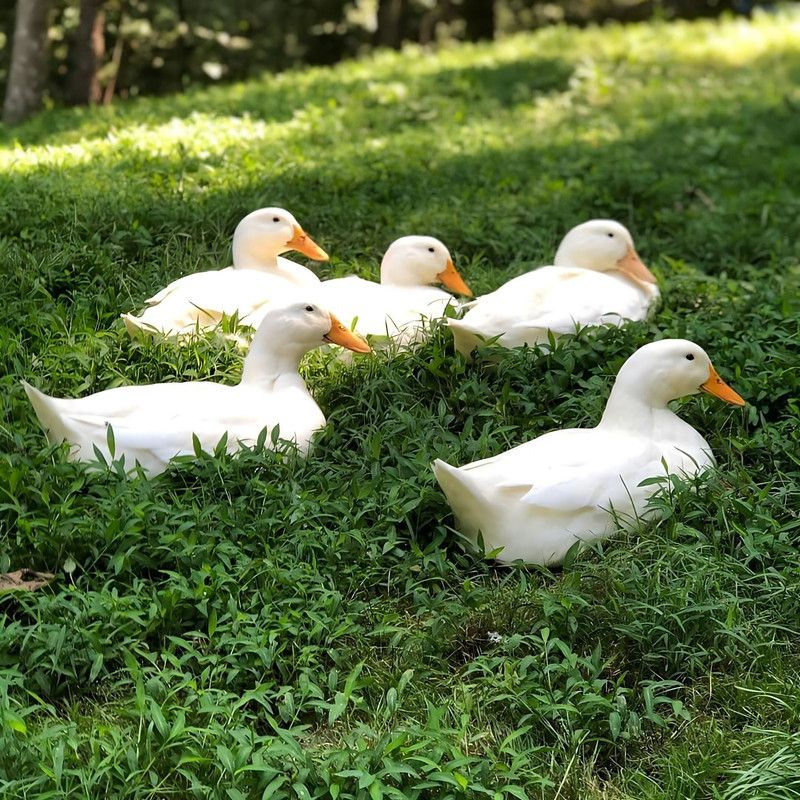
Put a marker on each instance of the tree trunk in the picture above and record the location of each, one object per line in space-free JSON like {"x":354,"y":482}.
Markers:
{"x":26,"y":78}
{"x":693,"y":9}
{"x":389,"y":32}
{"x":479,"y":18}
{"x":182,"y":48}
{"x":89,"y":47}
{"x":443,"y":11}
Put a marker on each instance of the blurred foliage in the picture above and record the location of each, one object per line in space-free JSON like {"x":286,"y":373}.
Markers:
{"x":170,"y":44}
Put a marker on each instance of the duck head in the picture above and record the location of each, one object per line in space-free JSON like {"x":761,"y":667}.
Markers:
{"x":421,"y":261}
{"x":266,"y":233}
{"x":605,"y":246}
{"x":290,"y":330}
{"x":310,"y":325}
{"x":669,"y":369}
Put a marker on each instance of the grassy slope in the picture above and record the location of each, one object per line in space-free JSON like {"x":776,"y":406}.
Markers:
{"x":252,"y":625}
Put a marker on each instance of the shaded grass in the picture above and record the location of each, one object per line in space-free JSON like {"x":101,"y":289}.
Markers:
{"x":264,"y":626}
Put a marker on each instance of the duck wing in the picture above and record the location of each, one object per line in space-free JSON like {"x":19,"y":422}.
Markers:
{"x":382,"y":310}
{"x":150,"y":424}
{"x":208,"y":296}
{"x":583,"y":297}
{"x":557,"y":299}
{"x":571,"y":470}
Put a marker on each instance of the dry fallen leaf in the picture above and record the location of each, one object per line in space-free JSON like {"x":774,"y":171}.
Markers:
{"x":24,"y":580}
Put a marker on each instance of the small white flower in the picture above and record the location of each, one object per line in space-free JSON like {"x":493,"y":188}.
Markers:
{"x":494,"y":637}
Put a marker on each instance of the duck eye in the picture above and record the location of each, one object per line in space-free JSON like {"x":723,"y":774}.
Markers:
{"x":689,"y":357}
{"x":276,"y":219}
{"x":610,"y":235}
{"x":309,"y":308}
{"x":430,"y":249}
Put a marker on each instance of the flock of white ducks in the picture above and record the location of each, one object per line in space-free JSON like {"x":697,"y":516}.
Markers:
{"x":532,"y":502}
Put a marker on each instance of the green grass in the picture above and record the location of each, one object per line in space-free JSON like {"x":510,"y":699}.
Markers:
{"x":260,"y":626}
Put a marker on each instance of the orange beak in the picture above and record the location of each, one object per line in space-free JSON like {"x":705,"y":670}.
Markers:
{"x":452,"y":280}
{"x":632,"y":266}
{"x":304,"y":244}
{"x":716,"y":386}
{"x":338,"y":334}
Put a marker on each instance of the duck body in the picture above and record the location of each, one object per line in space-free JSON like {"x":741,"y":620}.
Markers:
{"x":597,"y":279}
{"x":376,"y":309}
{"x":200,"y":301}
{"x":551,"y":299}
{"x":400,"y":305}
{"x":258,"y":279}
{"x":153,"y":423}
{"x":535,"y":501}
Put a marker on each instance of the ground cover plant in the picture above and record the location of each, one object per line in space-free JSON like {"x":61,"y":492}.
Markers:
{"x":262,"y":626}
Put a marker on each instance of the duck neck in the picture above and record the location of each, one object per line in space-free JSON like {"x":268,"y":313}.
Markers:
{"x":635,"y":412}
{"x":245,"y":256}
{"x":571,"y":254}
{"x":397,"y":274}
{"x":271,"y":358}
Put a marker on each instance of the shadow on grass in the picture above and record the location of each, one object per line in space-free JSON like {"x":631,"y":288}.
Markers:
{"x":274,"y":98}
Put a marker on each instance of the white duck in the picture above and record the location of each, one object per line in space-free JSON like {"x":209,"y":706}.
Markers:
{"x":597,"y":279}
{"x":536,"y":500}
{"x":152,"y":423}
{"x":399,"y":304}
{"x":257,"y":278}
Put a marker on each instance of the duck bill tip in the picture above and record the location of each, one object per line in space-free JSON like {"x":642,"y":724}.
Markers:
{"x":303,"y":243}
{"x":633,"y":266}
{"x":718,"y":388}
{"x":341,"y":335}
{"x":451,"y":279}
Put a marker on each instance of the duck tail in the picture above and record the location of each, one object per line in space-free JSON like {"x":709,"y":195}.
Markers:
{"x":464,"y":496}
{"x":46,"y":409}
{"x":134,"y":326}
{"x":465,"y":338}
